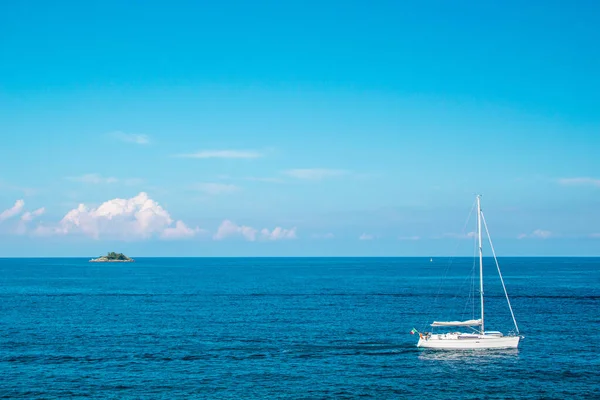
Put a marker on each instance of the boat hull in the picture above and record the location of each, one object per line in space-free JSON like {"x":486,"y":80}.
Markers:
{"x":457,"y":341}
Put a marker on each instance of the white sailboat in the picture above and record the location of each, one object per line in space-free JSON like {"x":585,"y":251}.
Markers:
{"x":478,"y":337}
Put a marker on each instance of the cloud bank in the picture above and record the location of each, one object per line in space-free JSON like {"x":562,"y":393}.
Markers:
{"x":537,"y":234}
{"x":180,"y":231}
{"x":135,"y":218}
{"x":581,"y":181}
{"x":14,"y":210}
{"x":26,"y":217}
{"x":366,"y":236}
{"x":230,"y":229}
{"x":31,"y":215}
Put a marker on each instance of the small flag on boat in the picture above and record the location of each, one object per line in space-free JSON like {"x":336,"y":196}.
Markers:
{"x":414,"y":331}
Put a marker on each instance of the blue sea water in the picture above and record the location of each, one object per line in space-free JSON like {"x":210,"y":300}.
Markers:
{"x":297,"y":328}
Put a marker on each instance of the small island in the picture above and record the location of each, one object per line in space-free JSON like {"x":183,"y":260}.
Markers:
{"x":113,"y":257}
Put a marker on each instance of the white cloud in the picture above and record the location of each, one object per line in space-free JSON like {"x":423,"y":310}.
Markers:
{"x":537,"y":234}
{"x":215,"y":188}
{"x":131,"y":137}
{"x":366,"y":236}
{"x":278,"y":233}
{"x":97,"y":179}
{"x":222,"y":154}
{"x":14,"y":210}
{"x":314,"y":173}
{"x":582,"y":181}
{"x":180,"y":231}
{"x":540,"y":233}
{"x":139,"y":217}
{"x":230,"y":229}
{"x":26,"y":218}
{"x":93,"y":179}
{"x":327,"y":235}
{"x":409,"y":238}
{"x":30,"y":215}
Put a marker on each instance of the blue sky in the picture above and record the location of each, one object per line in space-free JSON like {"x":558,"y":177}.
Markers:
{"x":298,"y":128}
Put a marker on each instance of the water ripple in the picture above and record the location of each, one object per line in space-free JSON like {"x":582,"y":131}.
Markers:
{"x":287,"y":328}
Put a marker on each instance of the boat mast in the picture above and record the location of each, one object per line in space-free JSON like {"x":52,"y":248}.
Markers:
{"x":480,"y":258}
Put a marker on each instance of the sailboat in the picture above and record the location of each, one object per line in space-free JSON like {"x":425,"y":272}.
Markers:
{"x":478,"y":337}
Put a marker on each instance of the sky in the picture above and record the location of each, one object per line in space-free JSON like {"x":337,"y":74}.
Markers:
{"x":271,"y":128}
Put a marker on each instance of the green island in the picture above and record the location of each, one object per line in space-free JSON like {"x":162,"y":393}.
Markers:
{"x":113,"y":257}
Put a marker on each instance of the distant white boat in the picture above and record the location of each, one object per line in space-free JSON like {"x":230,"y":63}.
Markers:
{"x":478,"y":338}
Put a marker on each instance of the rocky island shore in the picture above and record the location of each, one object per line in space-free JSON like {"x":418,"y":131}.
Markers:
{"x":113,"y":257}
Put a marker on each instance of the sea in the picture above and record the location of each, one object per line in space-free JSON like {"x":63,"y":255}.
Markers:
{"x":294,"y":328}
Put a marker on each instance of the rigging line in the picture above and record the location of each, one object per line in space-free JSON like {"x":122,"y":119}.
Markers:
{"x":450,"y":262}
{"x":499,"y":273}
{"x":471,"y":298}
{"x":466,"y":306}
{"x":467,"y":278}
{"x":464,"y":282}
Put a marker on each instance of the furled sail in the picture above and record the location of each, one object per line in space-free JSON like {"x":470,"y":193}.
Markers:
{"x":472,"y":322}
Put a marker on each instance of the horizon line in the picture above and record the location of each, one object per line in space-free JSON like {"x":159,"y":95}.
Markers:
{"x":430,"y":257}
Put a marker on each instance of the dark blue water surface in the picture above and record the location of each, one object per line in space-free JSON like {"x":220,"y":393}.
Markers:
{"x":292,"y":328}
